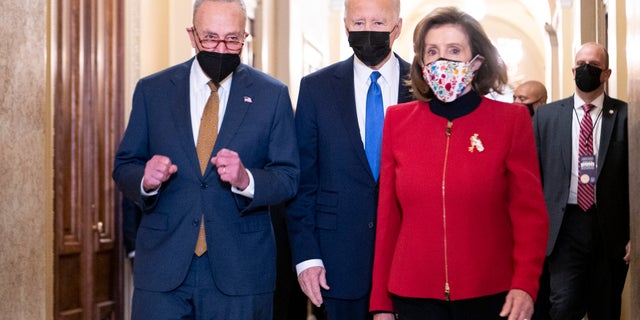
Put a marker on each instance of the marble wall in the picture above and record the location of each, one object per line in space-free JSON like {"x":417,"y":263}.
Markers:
{"x":26,"y":209}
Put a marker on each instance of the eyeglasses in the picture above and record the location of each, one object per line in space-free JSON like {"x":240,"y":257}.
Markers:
{"x":208,"y":42}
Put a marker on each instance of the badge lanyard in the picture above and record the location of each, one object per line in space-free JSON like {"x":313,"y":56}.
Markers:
{"x":587,"y":163}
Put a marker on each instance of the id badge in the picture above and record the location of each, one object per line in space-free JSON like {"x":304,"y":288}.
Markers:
{"x":587,"y":169}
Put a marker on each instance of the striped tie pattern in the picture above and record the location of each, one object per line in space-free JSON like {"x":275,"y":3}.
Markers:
{"x":585,"y":190}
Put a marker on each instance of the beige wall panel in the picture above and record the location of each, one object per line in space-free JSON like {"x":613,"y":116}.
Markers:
{"x":633,"y":61}
{"x":26,"y":219}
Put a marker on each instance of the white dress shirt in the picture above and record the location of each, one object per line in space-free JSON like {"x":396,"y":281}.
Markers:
{"x":199,"y":92}
{"x":389,"y":82}
{"x":596,"y":118}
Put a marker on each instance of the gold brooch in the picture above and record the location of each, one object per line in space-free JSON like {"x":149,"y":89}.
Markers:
{"x":475,"y":143}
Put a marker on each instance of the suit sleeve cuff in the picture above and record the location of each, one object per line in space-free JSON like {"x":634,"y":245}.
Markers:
{"x":249,"y":191}
{"x":147,"y":194}
{"x":304,"y":265}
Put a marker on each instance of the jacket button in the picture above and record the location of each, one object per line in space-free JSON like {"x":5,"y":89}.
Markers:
{"x":370,"y":225}
{"x":195,"y":222}
{"x":203,"y":186}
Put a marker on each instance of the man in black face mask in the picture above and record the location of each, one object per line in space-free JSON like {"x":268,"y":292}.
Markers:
{"x":583,"y":153}
{"x":210,"y":145}
{"x":339,"y":119}
{"x":531,"y":93}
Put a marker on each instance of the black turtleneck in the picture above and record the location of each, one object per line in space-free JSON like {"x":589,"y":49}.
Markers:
{"x":462,"y":106}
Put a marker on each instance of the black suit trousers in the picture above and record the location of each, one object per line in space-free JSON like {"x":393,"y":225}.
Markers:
{"x":583,"y":278}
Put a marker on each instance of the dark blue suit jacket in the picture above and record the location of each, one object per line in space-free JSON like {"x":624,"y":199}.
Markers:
{"x":258,"y":124}
{"x":552,"y":127}
{"x":333,"y":216}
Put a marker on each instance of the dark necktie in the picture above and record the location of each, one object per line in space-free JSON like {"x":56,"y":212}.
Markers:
{"x":585,"y":190}
{"x":207,"y":136}
{"x":373,"y":126}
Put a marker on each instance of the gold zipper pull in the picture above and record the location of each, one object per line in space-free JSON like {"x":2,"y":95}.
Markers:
{"x":447,"y":290}
{"x":449,"y":125}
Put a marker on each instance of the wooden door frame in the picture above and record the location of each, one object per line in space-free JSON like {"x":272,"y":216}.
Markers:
{"x":87,"y":54}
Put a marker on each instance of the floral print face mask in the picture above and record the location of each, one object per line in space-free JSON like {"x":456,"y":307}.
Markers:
{"x":448,"y":79}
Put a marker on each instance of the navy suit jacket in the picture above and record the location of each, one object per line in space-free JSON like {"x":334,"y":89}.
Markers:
{"x":258,"y":124}
{"x":552,"y":127}
{"x":333,"y":216}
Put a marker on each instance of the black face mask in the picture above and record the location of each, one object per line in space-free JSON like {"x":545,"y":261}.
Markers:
{"x":530,"y":107}
{"x":218,"y":65}
{"x":588,"y":77}
{"x":371,"y":47}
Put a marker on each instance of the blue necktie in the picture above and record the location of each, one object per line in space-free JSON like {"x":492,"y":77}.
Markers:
{"x":373,"y":126}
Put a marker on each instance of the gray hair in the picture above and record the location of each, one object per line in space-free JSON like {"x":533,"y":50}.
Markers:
{"x":396,"y":7}
{"x":198,"y":3}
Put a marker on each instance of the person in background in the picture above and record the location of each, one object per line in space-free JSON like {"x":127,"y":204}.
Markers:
{"x":130,"y":221}
{"x":289,"y":302}
{"x":210,"y":145}
{"x":531,"y":93}
{"x":461,"y":216}
{"x":583,"y":152}
{"x":339,"y":118}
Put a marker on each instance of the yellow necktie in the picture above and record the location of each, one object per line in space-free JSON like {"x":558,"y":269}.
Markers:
{"x":208,"y":128}
{"x":206,"y":139}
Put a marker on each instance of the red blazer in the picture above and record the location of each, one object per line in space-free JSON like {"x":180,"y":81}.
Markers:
{"x":461,"y":207}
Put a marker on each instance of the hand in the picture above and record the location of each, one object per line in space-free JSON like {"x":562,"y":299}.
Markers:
{"x":518,"y":305}
{"x":627,"y":256}
{"x":384,"y":316}
{"x":231,"y":169}
{"x":311,"y":279}
{"x":158,"y":170}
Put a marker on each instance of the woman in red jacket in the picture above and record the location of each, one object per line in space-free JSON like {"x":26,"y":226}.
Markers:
{"x":462,"y":224}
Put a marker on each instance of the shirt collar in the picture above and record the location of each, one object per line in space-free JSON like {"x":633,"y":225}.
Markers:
{"x":597,"y":102}
{"x":201,"y":79}
{"x":388,"y":69}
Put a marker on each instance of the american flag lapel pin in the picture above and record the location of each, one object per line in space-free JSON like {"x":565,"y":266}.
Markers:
{"x":248,"y":99}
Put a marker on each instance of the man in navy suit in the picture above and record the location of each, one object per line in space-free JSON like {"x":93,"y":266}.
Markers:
{"x":253,"y":164}
{"x":588,"y":247}
{"x":331,"y":222}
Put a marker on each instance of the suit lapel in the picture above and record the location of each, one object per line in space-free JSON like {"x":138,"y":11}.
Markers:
{"x":343,"y":90}
{"x":404,"y":93}
{"x":565,"y":118}
{"x":346,"y":103}
{"x":609,"y":114}
{"x":238,"y":104}
{"x":180,"y":108}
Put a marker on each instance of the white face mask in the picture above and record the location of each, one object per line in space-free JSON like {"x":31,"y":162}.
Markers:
{"x":448,"y":79}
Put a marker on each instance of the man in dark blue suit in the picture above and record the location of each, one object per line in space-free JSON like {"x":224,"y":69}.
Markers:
{"x":331,"y":222}
{"x":583,"y":152}
{"x":220,"y":194}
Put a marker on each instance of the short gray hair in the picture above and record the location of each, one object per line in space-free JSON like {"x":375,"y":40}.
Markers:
{"x":198,"y":3}
{"x":396,"y":7}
